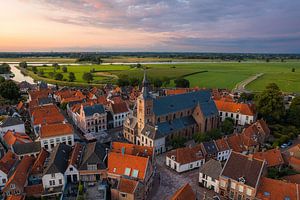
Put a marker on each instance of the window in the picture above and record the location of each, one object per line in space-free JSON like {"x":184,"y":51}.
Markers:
{"x":71,"y":169}
{"x":241,"y":188}
{"x":249,"y":192}
{"x":135,"y":173}
{"x":52,"y":175}
{"x":127,"y":171}
{"x":123,"y":195}
{"x":92,"y":167}
{"x":12,"y":186}
{"x":191,"y":165}
{"x":231,"y":115}
{"x":223,"y":183}
{"x":226,"y":114}
{"x":4,"y":180}
{"x":52,"y":182}
{"x":60,"y":181}
{"x":221,"y":114}
{"x":240,"y":197}
{"x":233,"y":185}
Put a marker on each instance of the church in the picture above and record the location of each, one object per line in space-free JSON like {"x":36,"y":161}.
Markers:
{"x":160,"y":119}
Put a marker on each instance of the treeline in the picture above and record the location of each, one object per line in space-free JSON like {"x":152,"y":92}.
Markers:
{"x":93,"y":56}
{"x":4,"y":68}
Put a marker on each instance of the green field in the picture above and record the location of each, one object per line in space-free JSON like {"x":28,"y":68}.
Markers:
{"x":209,"y":75}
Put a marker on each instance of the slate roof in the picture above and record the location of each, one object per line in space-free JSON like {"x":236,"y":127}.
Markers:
{"x":94,"y":153}
{"x":59,"y":157}
{"x":91,"y":110}
{"x":166,"y":128}
{"x":11,"y":121}
{"x":242,"y":166}
{"x":211,"y":168}
{"x":210,"y":147}
{"x":26,"y":148}
{"x":45,"y":100}
{"x":175,"y":103}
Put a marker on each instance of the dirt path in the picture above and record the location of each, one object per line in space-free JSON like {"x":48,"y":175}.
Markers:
{"x":241,"y":86}
{"x":106,"y":74}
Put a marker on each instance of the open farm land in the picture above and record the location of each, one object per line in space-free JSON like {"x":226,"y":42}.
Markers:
{"x":208,"y":75}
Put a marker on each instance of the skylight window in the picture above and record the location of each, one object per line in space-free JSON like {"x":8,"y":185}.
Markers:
{"x":127,"y":171}
{"x":267,"y":193}
{"x":135,"y":173}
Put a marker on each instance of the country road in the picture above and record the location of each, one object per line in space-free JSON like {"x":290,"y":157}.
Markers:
{"x":241,"y":86}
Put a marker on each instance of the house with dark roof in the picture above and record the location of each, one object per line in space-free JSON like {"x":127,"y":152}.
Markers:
{"x":55,"y":166}
{"x":29,"y":149}
{"x":92,"y":118}
{"x":72,"y":172}
{"x":224,"y":149}
{"x":240,"y":176}
{"x":209,"y":174}
{"x":12,"y":124}
{"x":119,"y":111}
{"x":93,"y":162}
{"x":209,"y":149}
{"x":159,"y":119}
{"x":184,"y":159}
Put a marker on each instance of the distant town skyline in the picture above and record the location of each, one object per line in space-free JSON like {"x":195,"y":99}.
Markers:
{"x":270,"y":26}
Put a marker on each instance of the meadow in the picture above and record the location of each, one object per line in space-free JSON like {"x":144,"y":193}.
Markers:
{"x":205,"y":74}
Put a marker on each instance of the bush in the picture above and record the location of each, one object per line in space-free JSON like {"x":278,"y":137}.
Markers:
{"x":64,"y":69}
{"x":58,"y":76}
{"x":178,"y":142}
{"x":182,"y":83}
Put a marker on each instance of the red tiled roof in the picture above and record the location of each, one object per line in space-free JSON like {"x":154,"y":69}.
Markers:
{"x":295,"y":151}
{"x":276,"y":189}
{"x":235,"y":143}
{"x":273,"y":157}
{"x":47,"y":114}
{"x":132,"y":149}
{"x":72,"y":99}
{"x":38,"y":165}
{"x":65,"y":93}
{"x":7,"y":162}
{"x":11,"y":138}
{"x":187,"y":154}
{"x":35,"y":94}
{"x":52,"y":130}
{"x":102,"y":100}
{"x":293,"y":178}
{"x":228,"y":106}
{"x":74,"y":160}
{"x":127,"y":186}
{"x":222,"y":144}
{"x":20,"y":105}
{"x":117,"y":163}
{"x":34,"y":190}
{"x":20,"y":175}
{"x":184,"y":193}
{"x":119,"y":107}
{"x":16,"y":197}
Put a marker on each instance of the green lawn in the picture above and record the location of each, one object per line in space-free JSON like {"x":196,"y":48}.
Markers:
{"x":209,"y":75}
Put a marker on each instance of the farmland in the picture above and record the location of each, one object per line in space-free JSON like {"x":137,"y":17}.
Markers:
{"x":205,"y":74}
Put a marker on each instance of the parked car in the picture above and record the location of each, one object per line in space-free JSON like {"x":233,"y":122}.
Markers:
{"x":290,"y":143}
{"x":283,"y":146}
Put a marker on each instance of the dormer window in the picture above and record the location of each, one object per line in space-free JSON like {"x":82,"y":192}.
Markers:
{"x":173,"y":157}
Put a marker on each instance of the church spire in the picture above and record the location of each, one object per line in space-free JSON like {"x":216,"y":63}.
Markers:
{"x":145,"y":84}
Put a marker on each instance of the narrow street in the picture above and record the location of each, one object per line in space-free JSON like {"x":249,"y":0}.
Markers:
{"x":170,"y":181}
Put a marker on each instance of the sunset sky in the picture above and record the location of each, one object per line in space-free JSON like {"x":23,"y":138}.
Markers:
{"x":263,"y":26}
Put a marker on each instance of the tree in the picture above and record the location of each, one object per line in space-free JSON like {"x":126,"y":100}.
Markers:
{"x":51,"y":74}
{"x":64,"y":69}
{"x":58,"y":76}
{"x":293,"y":114}
{"x":9,"y":90}
{"x":34,"y":69}
{"x":72,"y":77}
{"x":293,"y":69}
{"x":23,"y":64}
{"x":2,"y":79}
{"x":123,"y":81}
{"x":88,"y":77}
{"x":182,"y":83}
{"x":178,"y":142}
{"x":4,"y":68}
{"x":270,"y":103}
{"x":134,"y":81}
{"x":227,"y":126}
{"x":157,"y":83}
{"x":56,"y":66}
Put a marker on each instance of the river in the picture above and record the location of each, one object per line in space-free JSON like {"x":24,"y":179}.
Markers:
{"x":19,"y":77}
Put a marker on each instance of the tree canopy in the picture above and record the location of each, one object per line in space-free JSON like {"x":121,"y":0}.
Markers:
{"x":88,"y":77}
{"x":58,"y":76}
{"x":9,"y":90}
{"x":182,"y":83}
{"x":72,"y":77}
{"x":270,"y":103}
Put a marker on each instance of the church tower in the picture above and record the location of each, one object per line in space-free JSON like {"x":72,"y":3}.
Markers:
{"x":144,"y":105}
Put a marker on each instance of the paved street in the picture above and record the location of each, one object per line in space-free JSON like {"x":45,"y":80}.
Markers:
{"x":171,"y":181}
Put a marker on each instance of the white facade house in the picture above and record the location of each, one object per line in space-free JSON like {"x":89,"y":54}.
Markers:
{"x":223,"y":155}
{"x":53,"y":180}
{"x":54,"y":134}
{"x":72,"y":174}
{"x":184,"y":159}
{"x":13,"y":124}
{"x":241,"y":113}
{"x":224,"y":149}
{"x":119,"y":111}
{"x":209,"y":175}
{"x":158,"y":144}
{"x":3,"y":178}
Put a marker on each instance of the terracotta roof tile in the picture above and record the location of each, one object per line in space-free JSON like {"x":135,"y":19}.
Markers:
{"x":295,"y":151}
{"x":11,"y":138}
{"x":38,"y":165}
{"x":184,"y":193}
{"x":273,"y":157}
{"x":276,"y":189}
{"x":52,"y":130}
{"x":187,"y":154}
{"x":16,"y":197}
{"x":235,"y":143}
{"x":222,"y":144}
{"x":34,"y":190}
{"x":293,"y":178}
{"x":132,"y":149}
{"x":74,"y":158}
{"x":7,"y":162}
{"x":228,"y":106}
{"x":127,"y":186}
{"x":119,"y":107}
{"x":46,"y":114}
{"x":117,"y":163}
